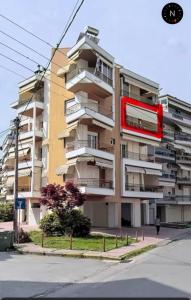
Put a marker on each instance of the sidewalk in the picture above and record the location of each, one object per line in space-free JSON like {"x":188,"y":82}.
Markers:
{"x":116,"y":254}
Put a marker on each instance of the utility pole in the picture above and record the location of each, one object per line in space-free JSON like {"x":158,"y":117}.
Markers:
{"x":16,"y":123}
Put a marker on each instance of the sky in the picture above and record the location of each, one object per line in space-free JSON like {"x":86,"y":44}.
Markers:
{"x":133,"y":31}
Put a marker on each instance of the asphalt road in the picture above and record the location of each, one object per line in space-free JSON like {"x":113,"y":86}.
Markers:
{"x":162,"y":272}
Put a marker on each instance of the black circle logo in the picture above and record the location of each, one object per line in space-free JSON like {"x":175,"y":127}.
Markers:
{"x":172,"y":13}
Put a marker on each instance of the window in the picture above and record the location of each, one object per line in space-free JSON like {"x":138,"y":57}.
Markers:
{"x":35,"y":205}
{"x":92,"y":141}
{"x":124,"y":151}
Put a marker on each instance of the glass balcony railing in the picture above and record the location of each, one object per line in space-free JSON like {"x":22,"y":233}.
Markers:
{"x":75,"y":145}
{"x":92,"y":182}
{"x":182,"y":136}
{"x":93,"y":71}
{"x":139,"y":156}
{"x":164,"y":153}
{"x":95,"y":108}
{"x":141,"y":188}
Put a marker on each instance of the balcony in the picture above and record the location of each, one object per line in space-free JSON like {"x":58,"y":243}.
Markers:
{"x":139,"y":98}
{"x":144,"y":161}
{"x":184,"y":180}
{"x":167,"y":179}
{"x":89,"y":80}
{"x":183,"y":138}
{"x":84,"y":148}
{"x":95,"y":186}
{"x":139,"y":156}
{"x":177,"y":118}
{"x":168,"y":135}
{"x":142,"y":191}
{"x":141,"y":124}
{"x":183,"y":199}
{"x":89,"y":110}
{"x":27,"y":134}
{"x":183,"y":159}
{"x":26,"y":107}
{"x":164,"y":155}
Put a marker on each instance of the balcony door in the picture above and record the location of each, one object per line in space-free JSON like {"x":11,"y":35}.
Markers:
{"x":92,"y":141}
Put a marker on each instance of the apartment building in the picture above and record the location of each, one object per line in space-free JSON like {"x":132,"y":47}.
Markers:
{"x":175,"y":156}
{"x":96,"y":124}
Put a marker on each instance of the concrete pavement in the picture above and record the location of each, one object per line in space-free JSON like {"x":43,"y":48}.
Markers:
{"x":162,"y":272}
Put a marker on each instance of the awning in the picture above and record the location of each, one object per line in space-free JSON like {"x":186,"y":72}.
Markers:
{"x":10,"y":182}
{"x":135,"y":169}
{"x":10,"y":156}
{"x":153,"y":172}
{"x":140,"y":113}
{"x":104,"y":165}
{"x":24,"y":172}
{"x":183,"y":167}
{"x":64,"y":169}
{"x":100,"y":124}
{"x":62,"y":71}
{"x":23,"y":152}
{"x":45,"y":142}
{"x":67,"y":131}
{"x":184,"y":129}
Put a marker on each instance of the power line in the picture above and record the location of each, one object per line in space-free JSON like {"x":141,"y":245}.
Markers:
{"x":28,"y":47}
{"x":20,"y":64}
{"x":62,"y":37}
{"x":27,"y":68}
{"x":27,"y":57}
{"x":11,"y":71}
{"x":31,"y":33}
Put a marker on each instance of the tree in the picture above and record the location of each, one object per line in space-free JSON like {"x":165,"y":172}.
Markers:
{"x":61,"y":199}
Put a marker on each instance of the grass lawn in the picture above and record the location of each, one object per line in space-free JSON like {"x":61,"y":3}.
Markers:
{"x":90,"y":243}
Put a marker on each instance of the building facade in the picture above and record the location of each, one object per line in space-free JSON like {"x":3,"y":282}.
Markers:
{"x":99,"y":125}
{"x":175,"y":156}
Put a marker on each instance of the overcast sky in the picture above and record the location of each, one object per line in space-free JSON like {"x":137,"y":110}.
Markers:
{"x":131,"y":30}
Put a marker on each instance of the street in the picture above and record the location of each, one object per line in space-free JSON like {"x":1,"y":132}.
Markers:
{"x":162,"y":272}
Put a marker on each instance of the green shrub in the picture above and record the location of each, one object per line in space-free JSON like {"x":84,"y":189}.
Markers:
{"x":6,"y":212}
{"x":72,"y":222}
{"x":50,"y":225}
{"x":77,"y":223}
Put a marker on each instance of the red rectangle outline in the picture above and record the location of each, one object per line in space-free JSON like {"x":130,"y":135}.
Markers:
{"x":155,"y":108}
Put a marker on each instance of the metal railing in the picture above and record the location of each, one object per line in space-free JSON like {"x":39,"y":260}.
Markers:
{"x":24,"y":189}
{"x":168,"y":176}
{"x":182,"y":136}
{"x":135,"y":122}
{"x":95,"y":108}
{"x":183,"y":198}
{"x":139,"y":156}
{"x":184,"y":158}
{"x":92,"y":182}
{"x":93,"y":71}
{"x":184,"y":179}
{"x":177,"y":116}
{"x":141,"y":188}
{"x":75,"y":145}
{"x":164,"y":153}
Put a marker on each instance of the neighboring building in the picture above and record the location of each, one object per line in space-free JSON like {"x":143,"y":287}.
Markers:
{"x":175,"y":156}
{"x":96,"y":124}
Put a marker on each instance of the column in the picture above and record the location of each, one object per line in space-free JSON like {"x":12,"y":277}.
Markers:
{"x":136,"y":213}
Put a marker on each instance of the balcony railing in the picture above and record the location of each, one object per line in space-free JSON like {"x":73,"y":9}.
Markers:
{"x":141,"y":188}
{"x":141,"y":124}
{"x":23,"y":102}
{"x":183,"y":198}
{"x":184,"y":179}
{"x":139,"y":156}
{"x":185,"y":158}
{"x":92,"y":182}
{"x":168,"y":176}
{"x":140,"y":98}
{"x":95,"y":108}
{"x":164,"y":153}
{"x":183,"y":137}
{"x":93,"y":71}
{"x":177,"y":116}
{"x":168,"y":133}
{"x":75,"y":145}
